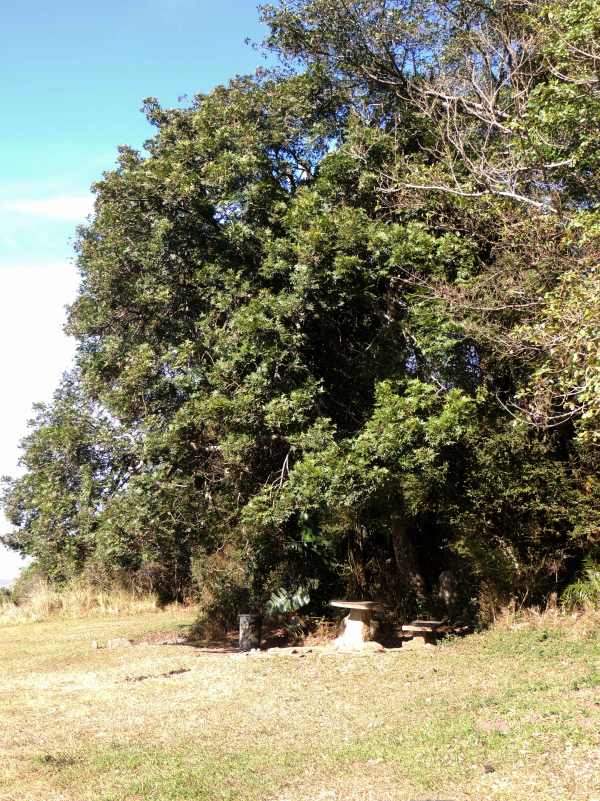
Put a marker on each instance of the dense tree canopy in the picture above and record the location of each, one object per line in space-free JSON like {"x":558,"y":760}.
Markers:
{"x":338,"y":325}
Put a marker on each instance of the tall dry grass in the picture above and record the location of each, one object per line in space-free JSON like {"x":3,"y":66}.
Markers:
{"x":579,"y":623}
{"x":78,"y":600}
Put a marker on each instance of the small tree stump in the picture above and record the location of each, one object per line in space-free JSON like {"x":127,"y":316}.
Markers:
{"x":250,"y":630}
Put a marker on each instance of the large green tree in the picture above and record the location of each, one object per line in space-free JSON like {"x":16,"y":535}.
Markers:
{"x":300,"y":366}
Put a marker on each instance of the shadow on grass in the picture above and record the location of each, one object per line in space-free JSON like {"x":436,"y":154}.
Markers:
{"x":229,"y":642}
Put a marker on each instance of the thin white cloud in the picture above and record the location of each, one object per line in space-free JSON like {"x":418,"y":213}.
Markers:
{"x":70,"y":208}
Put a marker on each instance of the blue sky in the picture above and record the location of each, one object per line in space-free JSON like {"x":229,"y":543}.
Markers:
{"x":73,"y":76}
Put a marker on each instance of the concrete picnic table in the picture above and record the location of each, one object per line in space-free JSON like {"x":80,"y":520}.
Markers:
{"x":357,"y":623}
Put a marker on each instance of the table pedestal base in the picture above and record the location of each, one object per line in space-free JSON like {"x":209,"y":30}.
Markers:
{"x":357,"y":634}
{"x":357,"y":631}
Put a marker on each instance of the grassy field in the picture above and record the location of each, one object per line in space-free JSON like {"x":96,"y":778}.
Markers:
{"x":502,"y":715}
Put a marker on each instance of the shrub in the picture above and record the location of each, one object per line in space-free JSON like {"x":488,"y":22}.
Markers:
{"x":585,"y":591}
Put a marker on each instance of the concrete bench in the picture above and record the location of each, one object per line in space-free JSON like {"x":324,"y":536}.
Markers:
{"x":425,"y":632}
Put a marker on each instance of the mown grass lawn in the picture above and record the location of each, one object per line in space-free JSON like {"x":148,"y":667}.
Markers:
{"x":501,"y":715}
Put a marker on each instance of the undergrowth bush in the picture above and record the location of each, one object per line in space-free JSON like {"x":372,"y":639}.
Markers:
{"x":576,"y":625}
{"x":222,"y":593}
{"x":585,"y":591}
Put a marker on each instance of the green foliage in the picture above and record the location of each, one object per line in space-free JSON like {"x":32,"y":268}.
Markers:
{"x":285,"y":602}
{"x":53,"y":504}
{"x":585,"y":591}
{"x":296,"y":369}
{"x":29,"y":580}
{"x":567,"y":382}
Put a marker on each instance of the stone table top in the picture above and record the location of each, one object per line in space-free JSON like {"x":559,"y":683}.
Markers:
{"x":423,"y":625}
{"x":363,"y":606}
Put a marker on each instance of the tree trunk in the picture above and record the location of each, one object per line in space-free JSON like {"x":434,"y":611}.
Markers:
{"x":409,"y":574}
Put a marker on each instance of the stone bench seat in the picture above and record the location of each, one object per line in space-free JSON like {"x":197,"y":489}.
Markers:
{"x":425,"y":632}
{"x":424,"y":625}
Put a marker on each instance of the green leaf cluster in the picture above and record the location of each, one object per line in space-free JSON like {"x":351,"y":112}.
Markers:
{"x":290,"y":378}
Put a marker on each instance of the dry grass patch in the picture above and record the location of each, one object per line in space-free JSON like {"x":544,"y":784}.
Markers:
{"x":504,"y":715}
{"x":576,"y":625}
{"x":45,"y":602}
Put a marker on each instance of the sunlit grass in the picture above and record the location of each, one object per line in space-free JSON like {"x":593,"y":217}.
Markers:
{"x":508,"y":715}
